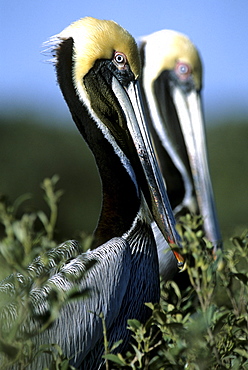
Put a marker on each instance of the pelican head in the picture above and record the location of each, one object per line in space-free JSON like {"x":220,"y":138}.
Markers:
{"x":172,"y":83}
{"x":98,"y":66}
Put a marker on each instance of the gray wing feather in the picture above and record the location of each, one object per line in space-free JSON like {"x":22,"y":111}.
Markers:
{"x":79,"y":325}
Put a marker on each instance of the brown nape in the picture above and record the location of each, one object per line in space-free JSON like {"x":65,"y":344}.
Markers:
{"x":120,"y":200}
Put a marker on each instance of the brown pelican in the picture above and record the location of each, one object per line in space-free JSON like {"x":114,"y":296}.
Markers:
{"x":171,"y":84}
{"x":97,"y":65}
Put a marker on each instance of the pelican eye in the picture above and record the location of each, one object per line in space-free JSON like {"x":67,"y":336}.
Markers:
{"x":183,"y":71}
{"x":120,"y":60}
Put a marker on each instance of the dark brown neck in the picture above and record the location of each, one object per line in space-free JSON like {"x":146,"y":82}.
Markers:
{"x":120,"y":202}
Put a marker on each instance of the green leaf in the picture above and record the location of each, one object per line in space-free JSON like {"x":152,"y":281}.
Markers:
{"x":139,"y":354}
{"x":43,"y":218}
{"x":118,"y":359}
{"x":116,"y":344}
{"x":241,"y":352}
{"x":134,"y":324}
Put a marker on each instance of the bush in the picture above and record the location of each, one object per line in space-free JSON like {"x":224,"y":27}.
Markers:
{"x":204,"y":326}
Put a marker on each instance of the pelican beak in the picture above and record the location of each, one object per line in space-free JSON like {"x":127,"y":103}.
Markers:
{"x":157,"y":199}
{"x":189,"y":110}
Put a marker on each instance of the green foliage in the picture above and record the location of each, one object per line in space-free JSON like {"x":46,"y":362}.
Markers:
{"x":204,"y":326}
{"x":22,"y":242}
{"x":29,"y":241}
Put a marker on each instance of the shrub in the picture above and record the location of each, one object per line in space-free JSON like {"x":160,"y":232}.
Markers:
{"x":204,"y":326}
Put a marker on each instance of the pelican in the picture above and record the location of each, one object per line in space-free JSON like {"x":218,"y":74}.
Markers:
{"x":171,"y":85}
{"x":97,"y":65}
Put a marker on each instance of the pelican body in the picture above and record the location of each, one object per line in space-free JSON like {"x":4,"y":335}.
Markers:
{"x":171,"y":86}
{"x":97,"y":66}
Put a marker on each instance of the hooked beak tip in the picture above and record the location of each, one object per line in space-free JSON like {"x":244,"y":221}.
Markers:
{"x":180,"y":261}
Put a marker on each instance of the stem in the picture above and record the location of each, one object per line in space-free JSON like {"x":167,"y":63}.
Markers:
{"x":106,"y":350}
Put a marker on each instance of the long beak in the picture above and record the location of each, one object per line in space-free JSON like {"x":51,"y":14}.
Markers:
{"x":189,"y":111}
{"x":130,"y":100}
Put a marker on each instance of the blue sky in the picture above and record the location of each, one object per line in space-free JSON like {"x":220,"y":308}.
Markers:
{"x":219,"y":28}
